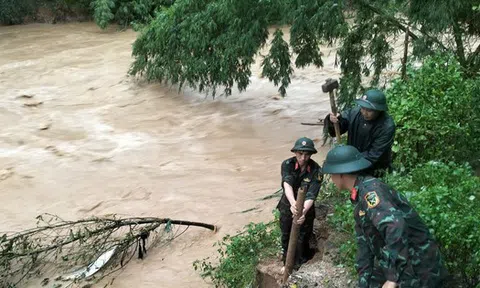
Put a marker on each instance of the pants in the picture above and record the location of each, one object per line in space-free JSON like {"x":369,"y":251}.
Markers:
{"x":303,"y":252}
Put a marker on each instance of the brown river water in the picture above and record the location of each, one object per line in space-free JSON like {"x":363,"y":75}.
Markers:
{"x":102,"y":143}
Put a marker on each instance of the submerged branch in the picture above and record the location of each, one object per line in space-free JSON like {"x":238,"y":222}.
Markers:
{"x":65,"y":245}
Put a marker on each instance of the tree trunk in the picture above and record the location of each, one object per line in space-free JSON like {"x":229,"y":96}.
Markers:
{"x":405,"y":54}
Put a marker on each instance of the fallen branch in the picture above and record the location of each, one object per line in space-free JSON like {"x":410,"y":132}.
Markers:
{"x":86,"y":246}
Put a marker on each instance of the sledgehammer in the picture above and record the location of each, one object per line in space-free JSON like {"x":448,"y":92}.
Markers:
{"x":329,"y":86}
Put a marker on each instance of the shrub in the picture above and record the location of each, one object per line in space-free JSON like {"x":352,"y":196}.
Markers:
{"x":126,"y":12}
{"x":343,"y":223}
{"x":436,"y":113}
{"x":240,"y":255}
{"x":14,"y":11}
{"x":447,"y":197}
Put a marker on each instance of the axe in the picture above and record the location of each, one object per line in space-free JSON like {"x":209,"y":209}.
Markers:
{"x":329,"y":86}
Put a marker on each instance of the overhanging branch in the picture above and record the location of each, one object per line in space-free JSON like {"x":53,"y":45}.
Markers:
{"x":402,"y":27}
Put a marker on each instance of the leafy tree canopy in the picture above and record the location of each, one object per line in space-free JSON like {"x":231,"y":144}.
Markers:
{"x":208,"y":44}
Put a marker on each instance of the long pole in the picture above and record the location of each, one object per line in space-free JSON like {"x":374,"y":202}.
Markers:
{"x":334,"y":111}
{"x":292,"y":243}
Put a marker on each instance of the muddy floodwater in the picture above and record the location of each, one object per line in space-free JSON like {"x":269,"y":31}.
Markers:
{"x":78,"y":137}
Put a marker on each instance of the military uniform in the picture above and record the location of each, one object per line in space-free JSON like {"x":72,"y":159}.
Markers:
{"x":311,"y":178}
{"x":393,"y":242}
{"x":374,"y":139}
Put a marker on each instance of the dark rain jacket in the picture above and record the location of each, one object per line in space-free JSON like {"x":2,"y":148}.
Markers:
{"x":374,"y":139}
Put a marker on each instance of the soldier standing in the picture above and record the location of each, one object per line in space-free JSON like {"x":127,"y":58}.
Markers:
{"x":395,"y":247}
{"x":370,"y":129}
{"x":299,"y":171}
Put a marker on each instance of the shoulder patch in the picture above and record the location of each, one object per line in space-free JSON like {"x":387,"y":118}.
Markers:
{"x":372,"y":199}
{"x":306,"y":180}
{"x":361,"y":213}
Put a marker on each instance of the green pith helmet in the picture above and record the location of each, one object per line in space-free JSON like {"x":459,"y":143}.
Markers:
{"x":304,"y":144}
{"x":373,"y":99}
{"x":344,"y":159}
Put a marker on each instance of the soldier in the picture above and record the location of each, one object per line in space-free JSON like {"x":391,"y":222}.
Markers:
{"x":298,"y":171}
{"x":370,"y":129}
{"x":395,"y":247}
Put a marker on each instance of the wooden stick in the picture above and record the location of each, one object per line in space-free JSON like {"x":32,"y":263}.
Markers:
{"x":292,"y":243}
{"x":311,"y":124}
{"x":334,"y":111}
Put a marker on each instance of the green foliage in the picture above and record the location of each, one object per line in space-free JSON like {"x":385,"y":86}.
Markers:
{"x":214,"y":42}
{"x":436,"y":113}
{"x":342,"y":219}
{"x":211,"y":43}
{"x":455,"y":20}
{"x":343,"y":223}
{"x":240,"y":254}
{"x":126,"y":12}
{"x":61,"y":9}
{"x":204,"y":44}
{"x":447,"y":197}
{"x":14,"y":11}
{"x":276,"y":65}
{"x":103,"y":12}
{"x":123,"y":12}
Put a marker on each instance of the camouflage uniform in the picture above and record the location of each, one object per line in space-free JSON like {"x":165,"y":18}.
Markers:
{"x":312,"y":178}
{"x":393,"y":242}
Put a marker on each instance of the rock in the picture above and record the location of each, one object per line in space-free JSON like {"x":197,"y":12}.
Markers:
{"x":45,"y":126}
{"x":25,"y":96}
{"x":33,"y":104}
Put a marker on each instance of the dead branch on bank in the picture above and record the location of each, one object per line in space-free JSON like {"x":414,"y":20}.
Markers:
{"x":76,"y":250}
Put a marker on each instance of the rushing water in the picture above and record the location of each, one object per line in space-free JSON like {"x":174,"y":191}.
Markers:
{"x":101,"y":143}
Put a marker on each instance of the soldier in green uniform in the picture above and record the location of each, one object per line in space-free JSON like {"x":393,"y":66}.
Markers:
{"x":395,"y":247}
{"x":370,"y":129}
{"x":299,"y":171}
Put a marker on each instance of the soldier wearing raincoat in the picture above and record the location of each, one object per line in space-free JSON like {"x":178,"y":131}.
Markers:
{"x":370,"y":129}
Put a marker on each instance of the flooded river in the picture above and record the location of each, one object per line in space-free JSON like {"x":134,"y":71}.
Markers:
{"x":85,"y":139}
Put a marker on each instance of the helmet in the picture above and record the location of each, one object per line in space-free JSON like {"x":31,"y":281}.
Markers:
{"x":304,"y":144}
{"x":373,"y":99}
{"x":344,"y":159}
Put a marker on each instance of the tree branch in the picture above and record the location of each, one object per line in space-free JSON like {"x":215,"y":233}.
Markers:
{"x":402,"y":27}
{"x":460,"y":51}
{"x":473,"y":55}
{"x":117,"y":223}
